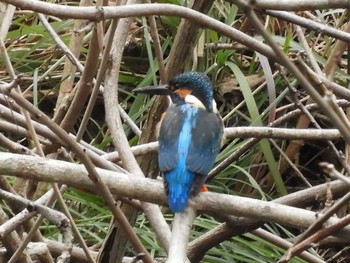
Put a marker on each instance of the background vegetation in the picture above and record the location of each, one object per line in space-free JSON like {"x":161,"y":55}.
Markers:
{"x":63,"y":66}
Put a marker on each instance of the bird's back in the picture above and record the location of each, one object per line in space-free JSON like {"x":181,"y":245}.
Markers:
{"x":189,"y":142}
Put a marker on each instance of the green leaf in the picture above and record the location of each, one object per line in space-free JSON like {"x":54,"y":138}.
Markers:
{"x":257,"y":121}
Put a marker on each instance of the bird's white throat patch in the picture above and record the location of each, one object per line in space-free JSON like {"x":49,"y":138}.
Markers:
{"x":192,"y":100}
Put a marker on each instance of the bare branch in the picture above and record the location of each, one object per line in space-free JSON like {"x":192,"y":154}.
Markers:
{"x":92,"y":173}
{"x":150,"y":190}
{"x":108,"y":12}
{"x":180,"y":235}
{"x":294,"y":5}
{"x":58,"y":218}
{"x":285,"y":244}
{"x":309,"y":24}
{"x":282,"y":133}
{"x":315,"y":95}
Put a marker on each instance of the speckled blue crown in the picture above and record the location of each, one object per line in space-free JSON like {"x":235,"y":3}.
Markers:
{"x":200,"y":85}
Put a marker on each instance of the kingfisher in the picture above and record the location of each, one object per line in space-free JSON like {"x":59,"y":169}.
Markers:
{"x":189,"y":137}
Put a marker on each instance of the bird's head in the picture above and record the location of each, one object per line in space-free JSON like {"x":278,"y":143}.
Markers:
{"x":189,"y":87}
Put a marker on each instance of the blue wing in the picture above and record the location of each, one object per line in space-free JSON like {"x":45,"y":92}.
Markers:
{"x":205,"y":142}
{"x":169,"y":138}
{"x":205,"y":146}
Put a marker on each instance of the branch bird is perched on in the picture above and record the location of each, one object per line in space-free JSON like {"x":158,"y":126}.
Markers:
{"x":189,"y":136}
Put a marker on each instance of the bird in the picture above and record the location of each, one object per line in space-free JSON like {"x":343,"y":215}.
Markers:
{"x":189,"y":136}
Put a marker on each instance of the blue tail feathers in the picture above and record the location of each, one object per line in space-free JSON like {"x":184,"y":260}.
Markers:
{"x":179,"y":184}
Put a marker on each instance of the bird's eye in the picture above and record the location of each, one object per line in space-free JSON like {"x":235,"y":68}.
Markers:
{"x":174,"y":87}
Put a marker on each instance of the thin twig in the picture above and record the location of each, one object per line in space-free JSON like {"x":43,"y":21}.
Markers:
{"x":157,"y":47}
{"x":94,"y":14}
{"x":302,"y":241}
{"x":285,"y":244}
{"x":309,"y":24}
{"x":308,"y":51}
{"x":332,"y":172}
{"x":58,"y":218}
{"x":283,"y":59}
{"x":292,"y":165}
{"x":100,"y":75}
{"x":303,"y":108}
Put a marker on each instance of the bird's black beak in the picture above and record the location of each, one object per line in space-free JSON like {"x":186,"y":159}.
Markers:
{"x":155,"y":90}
